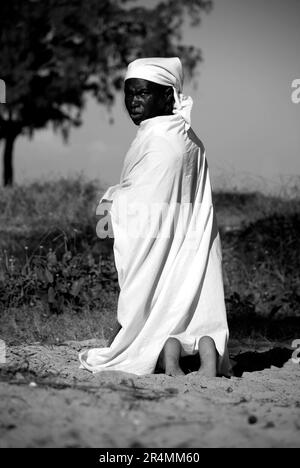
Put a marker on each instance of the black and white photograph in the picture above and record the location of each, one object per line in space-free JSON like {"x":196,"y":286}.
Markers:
{"x":149,"y":227}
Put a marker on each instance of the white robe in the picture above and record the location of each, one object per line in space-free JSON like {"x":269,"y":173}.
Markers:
{"x":170,"y":284}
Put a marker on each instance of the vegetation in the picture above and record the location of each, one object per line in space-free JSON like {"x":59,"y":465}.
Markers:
{"x":53,"y":53}
{"x":58,"y":280}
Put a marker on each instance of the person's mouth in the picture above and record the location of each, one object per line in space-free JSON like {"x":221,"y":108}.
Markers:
{"x":135,"y":113}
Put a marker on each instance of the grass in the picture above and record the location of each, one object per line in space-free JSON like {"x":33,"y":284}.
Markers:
{"x":58,"y":280}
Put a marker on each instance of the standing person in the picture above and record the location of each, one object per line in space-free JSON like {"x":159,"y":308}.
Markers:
{"x":171,"y":300}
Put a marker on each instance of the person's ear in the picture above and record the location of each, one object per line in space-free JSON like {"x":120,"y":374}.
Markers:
{"x":169,"y":96}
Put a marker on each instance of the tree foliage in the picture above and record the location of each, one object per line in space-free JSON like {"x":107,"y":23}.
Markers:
{"x":54,"y":52}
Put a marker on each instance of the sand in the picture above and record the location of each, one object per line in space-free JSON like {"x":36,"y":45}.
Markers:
{"x":47,"y":401}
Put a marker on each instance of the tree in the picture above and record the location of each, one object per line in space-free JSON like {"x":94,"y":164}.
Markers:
{"x":54,"y":52}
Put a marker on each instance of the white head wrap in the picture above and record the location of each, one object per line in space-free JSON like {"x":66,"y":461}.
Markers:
{"x":166,"y":72}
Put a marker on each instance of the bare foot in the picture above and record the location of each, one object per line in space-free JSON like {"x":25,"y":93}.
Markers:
{"x":174,"y":370}
{"x":206,"y":371}
{"x":208,"y":357}
{"x":170,"y":357}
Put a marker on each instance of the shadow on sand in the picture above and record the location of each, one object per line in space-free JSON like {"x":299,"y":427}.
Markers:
{"x":245,"y":362}
{"x":255,"y":361}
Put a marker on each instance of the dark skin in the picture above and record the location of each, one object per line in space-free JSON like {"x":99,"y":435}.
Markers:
{"x":145,"y":99}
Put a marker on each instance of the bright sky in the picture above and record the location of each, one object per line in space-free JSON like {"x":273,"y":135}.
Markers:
{"x":243,"y":110}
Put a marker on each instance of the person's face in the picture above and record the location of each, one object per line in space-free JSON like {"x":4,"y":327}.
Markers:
{"x":144,"y":99}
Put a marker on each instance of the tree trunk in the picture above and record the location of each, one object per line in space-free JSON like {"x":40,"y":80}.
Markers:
{"x":8,"y":159}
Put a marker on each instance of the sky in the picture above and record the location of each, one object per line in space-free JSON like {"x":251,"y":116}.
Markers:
{"x":243,"y":111}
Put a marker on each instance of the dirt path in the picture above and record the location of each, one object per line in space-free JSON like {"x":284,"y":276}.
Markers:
{"x":47,"y":401}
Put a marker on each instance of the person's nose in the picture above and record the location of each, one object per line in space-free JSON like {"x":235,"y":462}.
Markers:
{"x":135,"y":101}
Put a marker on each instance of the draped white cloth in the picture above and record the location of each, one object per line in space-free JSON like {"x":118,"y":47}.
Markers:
{"x":170,"y":275}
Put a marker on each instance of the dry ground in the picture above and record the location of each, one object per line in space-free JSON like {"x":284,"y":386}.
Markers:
{"x":47,"y":401}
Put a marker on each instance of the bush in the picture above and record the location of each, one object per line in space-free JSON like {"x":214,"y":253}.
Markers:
{"x":51,"y":259}
{"x":72,"y":281}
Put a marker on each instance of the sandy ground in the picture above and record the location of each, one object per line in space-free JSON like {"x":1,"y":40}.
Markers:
{"x":47,"y":401}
